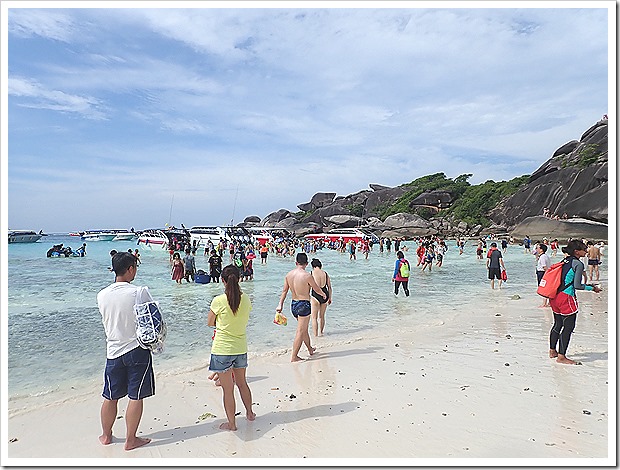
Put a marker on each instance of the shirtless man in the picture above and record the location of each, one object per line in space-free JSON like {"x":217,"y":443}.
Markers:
{"x":299,"y":281}
{"x":594,"y":259}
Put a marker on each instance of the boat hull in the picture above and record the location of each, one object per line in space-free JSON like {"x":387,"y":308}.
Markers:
{"x":24,"y":238}
{"x":123,"y":237}
{"x":100,"y":237}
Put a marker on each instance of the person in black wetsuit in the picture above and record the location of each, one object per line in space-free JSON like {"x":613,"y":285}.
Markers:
{"x":564,"y":305}
{"x":317,"y":302}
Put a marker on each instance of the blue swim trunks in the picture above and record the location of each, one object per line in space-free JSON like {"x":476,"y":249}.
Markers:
{"x":129,"y":375}
{"x":300,"y":308}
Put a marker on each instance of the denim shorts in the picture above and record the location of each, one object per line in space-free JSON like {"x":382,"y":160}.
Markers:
{"x":129,"y":375}
{"x":222,"y":362}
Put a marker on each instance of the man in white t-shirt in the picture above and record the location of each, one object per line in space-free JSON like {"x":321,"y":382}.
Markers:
{"x":543,"y":263}
{"x":129,"y":368}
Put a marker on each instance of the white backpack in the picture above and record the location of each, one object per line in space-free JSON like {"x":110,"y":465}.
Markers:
{"x":150,"y":325}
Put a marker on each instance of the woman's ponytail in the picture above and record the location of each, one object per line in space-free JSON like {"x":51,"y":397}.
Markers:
{"x":230,"y":275}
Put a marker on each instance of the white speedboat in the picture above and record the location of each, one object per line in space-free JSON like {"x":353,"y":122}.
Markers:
{"x":153,"y":238}
{"x":98,"y":235}
{"x":202,"y":235}
{"x":123,"y":235}
{"x":25,"y":236}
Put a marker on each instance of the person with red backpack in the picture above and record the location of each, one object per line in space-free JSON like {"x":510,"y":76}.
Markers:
{"x":401,"y":274}
{"x":564,"y":305}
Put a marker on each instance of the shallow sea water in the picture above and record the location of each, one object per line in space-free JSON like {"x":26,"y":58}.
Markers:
{"x":56,"y":340}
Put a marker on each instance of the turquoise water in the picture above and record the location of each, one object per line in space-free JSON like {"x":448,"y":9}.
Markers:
{"x":56,"y":341}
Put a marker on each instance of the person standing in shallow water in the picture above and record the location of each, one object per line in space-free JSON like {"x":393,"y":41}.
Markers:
{"x":178,"y":271}
{"x":564,"y":305}
{"x":495,"y":263}
{"x":401,"y":274}
{"x":229,"y":314}
{"x":318,"y":303}
{"x":299,"y":282}
{"x":129,"y":368}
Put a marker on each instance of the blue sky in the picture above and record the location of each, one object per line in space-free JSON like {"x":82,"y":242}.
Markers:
{"x":115,"y":112}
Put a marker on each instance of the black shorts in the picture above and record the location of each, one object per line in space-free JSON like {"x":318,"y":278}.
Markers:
{"x":129,"y":375}
{"x":495,"y":273}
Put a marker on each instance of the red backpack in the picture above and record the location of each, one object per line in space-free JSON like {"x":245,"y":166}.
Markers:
{"x":552,"y":281}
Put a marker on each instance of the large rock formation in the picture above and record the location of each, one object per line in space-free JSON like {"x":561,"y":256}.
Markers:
{"x":407,"y":225}
{"x":436,"y":200}
{"x":574,"y":181}
{"x":538,"y":227}
{"x":275,"y":217}
{"x":317,"y":201}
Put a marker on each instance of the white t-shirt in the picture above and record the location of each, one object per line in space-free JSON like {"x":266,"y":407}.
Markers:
{"x":116,"y":304}
{"x":544,"y":262}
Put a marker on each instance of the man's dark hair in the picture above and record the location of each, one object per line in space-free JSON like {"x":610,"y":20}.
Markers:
{"x":542,"y":247}
{"x":122,"y":261}
{"x":301,"y":258}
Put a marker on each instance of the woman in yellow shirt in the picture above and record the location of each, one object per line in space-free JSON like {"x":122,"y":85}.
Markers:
{"x":229,"y":314}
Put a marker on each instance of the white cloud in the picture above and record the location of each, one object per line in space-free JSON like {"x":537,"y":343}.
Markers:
{"x":287,"y":102}
{"x":35,"y":95}
{"x":48,"y":23}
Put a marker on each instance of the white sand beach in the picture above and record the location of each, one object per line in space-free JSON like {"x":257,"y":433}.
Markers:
{"x":477,"y":385}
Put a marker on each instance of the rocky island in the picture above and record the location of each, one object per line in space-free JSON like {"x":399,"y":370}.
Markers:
{"x":566,"y":197}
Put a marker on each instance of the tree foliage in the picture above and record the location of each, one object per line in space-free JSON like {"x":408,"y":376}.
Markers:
{"x":477,"y":201}
{"x":434,"y":182}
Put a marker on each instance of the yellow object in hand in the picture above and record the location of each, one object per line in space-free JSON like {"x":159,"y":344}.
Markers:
{"x":280,"y":319}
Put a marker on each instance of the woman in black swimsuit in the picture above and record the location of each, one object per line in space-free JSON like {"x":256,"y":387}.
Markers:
{"x":318,"y":303}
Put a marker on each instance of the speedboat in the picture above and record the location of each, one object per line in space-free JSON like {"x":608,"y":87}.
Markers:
{"x":202,"y":235}
{"x":344,"y":235}
{"x":153,"y":238}
{"x":25,"y":236}
{"x":122,"y":235}
{"x":98,"y":235}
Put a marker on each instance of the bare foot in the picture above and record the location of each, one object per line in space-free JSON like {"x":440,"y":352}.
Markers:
{"x":297,"y":359}
{"x":311,"y":350}
{"x":251,"y":416}
{"x":105,"y":439}
{"x":136,"y":442}
{"x":564,"y":360}
{"x":228,"y":427}
{"x":553,"y":353}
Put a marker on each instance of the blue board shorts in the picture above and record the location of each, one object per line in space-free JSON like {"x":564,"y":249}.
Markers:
{"x":301,"y":308}
{"x":129,"y":375}
{"x":221,"y":362}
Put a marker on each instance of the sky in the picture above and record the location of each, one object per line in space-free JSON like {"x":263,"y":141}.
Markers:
{"x":183,"y":112}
